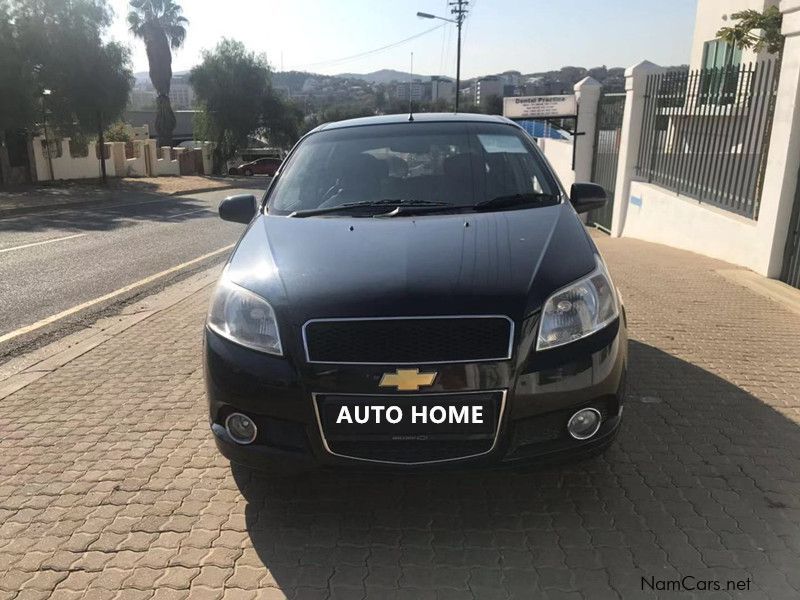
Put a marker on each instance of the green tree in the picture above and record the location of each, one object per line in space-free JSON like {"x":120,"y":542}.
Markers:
{"x":232,"y":85}
{"x":118,"y":132}
{"x":17,"y":86}
{"x":281,"y":121}
{"x":89,"y":80}
{"x":162,"y":27}
{"x":756,"y":30}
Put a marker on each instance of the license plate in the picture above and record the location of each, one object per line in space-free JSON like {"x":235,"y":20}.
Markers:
{"x":409,"y":417}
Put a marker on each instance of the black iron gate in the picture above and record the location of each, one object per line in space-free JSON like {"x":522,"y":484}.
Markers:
{"x":606,"y":153}
{"x":791,"y":256}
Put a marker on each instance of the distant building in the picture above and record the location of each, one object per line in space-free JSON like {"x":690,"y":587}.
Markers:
{"x":311,"y":84}
{"x":511,"y":78}
{"x":442,"y":89}
{"x":181,"y":93}
{"x":142,"y":99}
{"x":184,"y":123}
{"x":487,"y":87}
{"x":511,"y":90}
{"x":416,"y":90}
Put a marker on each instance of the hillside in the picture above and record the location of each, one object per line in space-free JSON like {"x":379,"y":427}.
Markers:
{"x":384,"y":76}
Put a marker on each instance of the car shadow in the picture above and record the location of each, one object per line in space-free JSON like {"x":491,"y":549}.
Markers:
{"x":115,"y":208}
{"x":701,"y":482}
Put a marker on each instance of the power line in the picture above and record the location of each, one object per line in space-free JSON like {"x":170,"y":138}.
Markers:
{"x":369,"y":52}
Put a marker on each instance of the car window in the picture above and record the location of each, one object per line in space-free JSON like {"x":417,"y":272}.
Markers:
{"x":456,"y":163}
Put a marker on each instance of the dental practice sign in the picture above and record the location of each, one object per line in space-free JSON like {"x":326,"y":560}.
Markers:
{"x":539,"y":107}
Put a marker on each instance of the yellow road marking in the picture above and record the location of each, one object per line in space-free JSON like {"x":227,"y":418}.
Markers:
{"x":70,"y":311}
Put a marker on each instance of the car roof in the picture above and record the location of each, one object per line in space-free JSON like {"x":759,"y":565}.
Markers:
{"x":417,"y":118}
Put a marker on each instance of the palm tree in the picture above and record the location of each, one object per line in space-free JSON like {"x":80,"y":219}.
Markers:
{"x":163,"y":28}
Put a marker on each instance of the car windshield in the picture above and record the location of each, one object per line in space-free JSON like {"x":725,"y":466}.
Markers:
{"x":458,"y":164}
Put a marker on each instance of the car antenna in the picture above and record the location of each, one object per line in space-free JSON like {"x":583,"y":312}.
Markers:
{"x":410,"y":82}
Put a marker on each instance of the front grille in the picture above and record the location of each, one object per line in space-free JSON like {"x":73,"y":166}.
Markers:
{"x":405,"y":442}
{"x":412,"y":340}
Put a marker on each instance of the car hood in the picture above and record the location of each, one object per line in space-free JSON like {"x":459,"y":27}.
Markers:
{"x":505,"y":262}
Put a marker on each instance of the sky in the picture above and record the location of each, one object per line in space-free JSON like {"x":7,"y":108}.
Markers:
{"x":498,"y":35}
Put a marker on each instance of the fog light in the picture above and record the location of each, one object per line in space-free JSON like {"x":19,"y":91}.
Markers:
{"x":584,"y":423}
{"x":241,"y":428}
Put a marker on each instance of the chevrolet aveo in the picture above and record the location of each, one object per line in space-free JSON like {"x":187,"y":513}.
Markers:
{"x":411,"y":292}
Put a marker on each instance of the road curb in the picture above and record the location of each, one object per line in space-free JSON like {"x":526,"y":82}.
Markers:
{"x":24,"y":370}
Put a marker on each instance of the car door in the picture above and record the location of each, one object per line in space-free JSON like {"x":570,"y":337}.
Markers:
{"x":270,"y":165}
{"x":261,"y":166}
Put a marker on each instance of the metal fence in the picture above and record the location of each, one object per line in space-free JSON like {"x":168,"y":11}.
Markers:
{"x":705,"y":133}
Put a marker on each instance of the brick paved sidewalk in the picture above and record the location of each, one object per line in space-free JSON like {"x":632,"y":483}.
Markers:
{"x":110,"y":485}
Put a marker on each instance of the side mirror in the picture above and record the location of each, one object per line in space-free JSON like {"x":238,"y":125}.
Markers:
{"x":587,"y":196}
{"x":239,"y":209}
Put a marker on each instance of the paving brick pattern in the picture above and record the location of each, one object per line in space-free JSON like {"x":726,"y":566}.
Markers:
{"x":110,"y":485}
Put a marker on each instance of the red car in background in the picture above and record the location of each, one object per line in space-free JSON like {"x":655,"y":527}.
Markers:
{"x":261,"y":166}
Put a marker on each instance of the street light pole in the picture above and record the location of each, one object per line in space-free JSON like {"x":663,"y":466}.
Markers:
{"x":460,"y":11}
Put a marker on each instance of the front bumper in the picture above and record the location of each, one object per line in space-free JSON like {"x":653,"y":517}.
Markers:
{"x":541,"y":391}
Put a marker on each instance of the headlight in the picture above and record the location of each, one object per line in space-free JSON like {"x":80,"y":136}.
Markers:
{"x":244,"y":317}
{"x":578,"y":310}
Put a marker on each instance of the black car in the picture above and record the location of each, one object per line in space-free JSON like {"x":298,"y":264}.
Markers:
{"x":414,"y":291}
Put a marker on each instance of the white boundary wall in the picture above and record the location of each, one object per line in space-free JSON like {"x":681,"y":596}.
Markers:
{"x":148,"y":160}
{"x":659,"y":215}
{"x":65,"y":166}
{"x":559,"y":155}
{"x":651,"y":213}
{"x":164,"y":164}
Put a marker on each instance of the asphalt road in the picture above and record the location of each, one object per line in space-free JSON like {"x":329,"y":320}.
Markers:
{"x":54,"y":260}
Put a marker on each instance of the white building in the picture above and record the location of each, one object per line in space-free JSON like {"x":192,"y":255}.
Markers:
{"x":708,"y":51}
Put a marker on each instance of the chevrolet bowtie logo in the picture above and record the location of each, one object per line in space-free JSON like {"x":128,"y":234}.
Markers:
{"x":407,"y":380}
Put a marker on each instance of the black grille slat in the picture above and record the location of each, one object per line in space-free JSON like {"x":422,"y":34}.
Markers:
{"x":392,"y":341}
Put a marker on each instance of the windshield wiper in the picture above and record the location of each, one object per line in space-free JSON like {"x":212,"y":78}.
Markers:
{"x":513,"y":200}
{"x":395,"y":202}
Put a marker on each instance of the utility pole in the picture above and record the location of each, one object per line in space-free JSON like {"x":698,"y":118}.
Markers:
{"x":410,"y":87}
{"x":459,"y":9}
